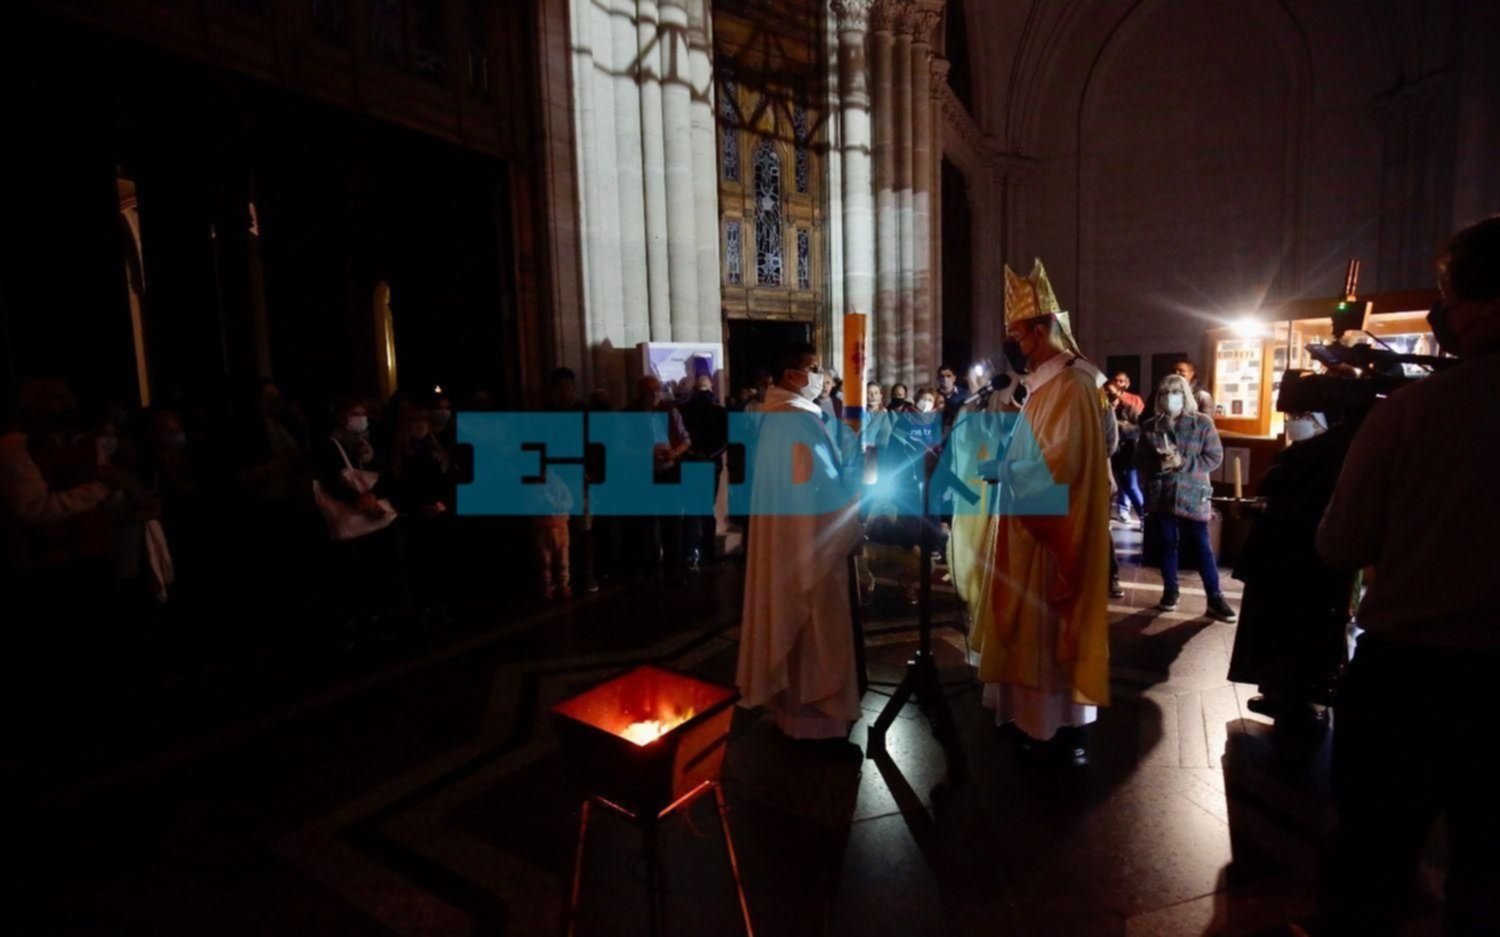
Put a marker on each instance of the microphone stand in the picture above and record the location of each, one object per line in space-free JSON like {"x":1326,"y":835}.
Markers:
{"x":922,"y":680}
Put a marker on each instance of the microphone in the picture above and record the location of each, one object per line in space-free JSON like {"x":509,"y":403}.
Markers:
{"x":997,"y":382}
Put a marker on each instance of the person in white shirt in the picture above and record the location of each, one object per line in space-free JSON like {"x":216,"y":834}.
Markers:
{"x":27,"y":501}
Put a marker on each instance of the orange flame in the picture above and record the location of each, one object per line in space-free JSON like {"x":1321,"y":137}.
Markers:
{"x":645,"y":732}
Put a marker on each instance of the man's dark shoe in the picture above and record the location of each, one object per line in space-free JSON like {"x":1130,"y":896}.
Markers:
{"x":1264,"y":705}
{"x":1071,"y":745}
{"x":1168,"y":600}
{"x":1115,"y":591}
{"x":1219,"y":609}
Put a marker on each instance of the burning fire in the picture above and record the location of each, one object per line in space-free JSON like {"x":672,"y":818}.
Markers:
{"x":647,"y":731}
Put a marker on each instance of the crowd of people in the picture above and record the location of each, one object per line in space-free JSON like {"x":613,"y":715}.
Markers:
{"x":114,"y":516}
{"x":1372,"y":521}
{"x":131,"y":516}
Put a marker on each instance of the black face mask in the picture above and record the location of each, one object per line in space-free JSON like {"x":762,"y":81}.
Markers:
{"x":64,"y":421}
{"x":1442,"y":330}
{"x":1014,"y":355}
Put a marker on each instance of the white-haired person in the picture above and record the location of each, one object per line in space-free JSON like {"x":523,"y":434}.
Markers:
{"x":1178,"y":448}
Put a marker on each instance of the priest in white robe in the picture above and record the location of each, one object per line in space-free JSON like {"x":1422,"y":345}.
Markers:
{"x":796,"y":636}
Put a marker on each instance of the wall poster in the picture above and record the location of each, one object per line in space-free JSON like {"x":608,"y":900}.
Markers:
{"x":1237,"y":374}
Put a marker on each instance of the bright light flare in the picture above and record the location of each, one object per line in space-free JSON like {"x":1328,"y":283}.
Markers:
{"x":1249,"y":327}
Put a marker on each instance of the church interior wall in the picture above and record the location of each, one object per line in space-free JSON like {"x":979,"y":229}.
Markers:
{"x":1193,"y":159}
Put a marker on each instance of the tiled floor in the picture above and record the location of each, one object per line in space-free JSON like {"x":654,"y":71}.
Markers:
{"x":424,"y":794}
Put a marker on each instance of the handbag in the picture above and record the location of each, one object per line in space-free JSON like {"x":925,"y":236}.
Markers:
{"x":344,"y":520}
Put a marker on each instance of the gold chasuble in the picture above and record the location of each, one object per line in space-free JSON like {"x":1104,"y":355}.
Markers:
{"x":977,"y":438}
{"x":1043,"y":635}
{"x":1048,"y":626}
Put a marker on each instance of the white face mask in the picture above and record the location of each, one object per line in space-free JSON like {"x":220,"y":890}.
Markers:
{"x":813,"y":389}
{"x":1174,"y":403}
{"x":357,"y":424}
{"x":924,"y":405}
{"x":1300,"y":428}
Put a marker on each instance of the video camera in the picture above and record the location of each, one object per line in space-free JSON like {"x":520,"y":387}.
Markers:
{"x":1359,"y":376}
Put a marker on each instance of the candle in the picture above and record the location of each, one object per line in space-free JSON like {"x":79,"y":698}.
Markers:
{"x":1238,"y":482}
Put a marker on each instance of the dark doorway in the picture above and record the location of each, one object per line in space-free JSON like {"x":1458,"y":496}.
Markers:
{"x":1130,"y":364}
{"x":1161,"y":366}
{"x":753,"y":344}
{"x":957,"y":271}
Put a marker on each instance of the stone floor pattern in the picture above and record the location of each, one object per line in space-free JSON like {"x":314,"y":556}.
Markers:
{"x":423,"y":793}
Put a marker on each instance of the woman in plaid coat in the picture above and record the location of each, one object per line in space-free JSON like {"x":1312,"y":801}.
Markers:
{"x":1178,"y":448}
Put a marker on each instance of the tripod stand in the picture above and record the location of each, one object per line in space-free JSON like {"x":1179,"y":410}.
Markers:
{"x":922,"y":680}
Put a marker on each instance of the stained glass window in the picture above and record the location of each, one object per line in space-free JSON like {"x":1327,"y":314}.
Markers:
{"x":768,"y":258}
{"x":328,"y":20}
{"x":799,"y":129}
{"x":385,"y":32}
{"x":729,"y":157}
{"x":478,"y":29}
{"x":734,"y":273}
{"x":429,"y":47}
{"x":804,"y":259}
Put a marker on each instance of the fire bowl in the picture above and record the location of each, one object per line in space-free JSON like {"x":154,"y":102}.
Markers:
{"x":645,"y":739}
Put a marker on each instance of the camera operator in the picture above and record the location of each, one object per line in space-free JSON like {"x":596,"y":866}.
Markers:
{"x":1291,"y":638}
{"x":1414,"y":736}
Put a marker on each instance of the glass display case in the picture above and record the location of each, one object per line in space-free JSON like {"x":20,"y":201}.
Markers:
{"x":1249,"y":359}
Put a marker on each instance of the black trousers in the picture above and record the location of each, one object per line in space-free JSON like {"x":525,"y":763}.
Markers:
{"x":1415,"y":738}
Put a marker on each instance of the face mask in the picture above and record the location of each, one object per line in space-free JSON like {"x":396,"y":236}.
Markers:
{"x":62,"y":420}
{"x":813,"y":389}
{"x":1014,"y":355}
{"x":357,"y":424}
{"x":1174,"y":404}
{"x":107,"y":446}
{"x":440,"y":418}
{"x":1302,"y":428}
{"x":174,"y":441}
{"x":1442,"y":329}
{"x":924,"y":406}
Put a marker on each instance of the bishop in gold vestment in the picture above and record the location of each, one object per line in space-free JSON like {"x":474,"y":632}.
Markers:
{"x":1043,"y":644}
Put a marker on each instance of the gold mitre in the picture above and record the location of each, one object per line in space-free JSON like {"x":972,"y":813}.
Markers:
{"x":1030,"y":296}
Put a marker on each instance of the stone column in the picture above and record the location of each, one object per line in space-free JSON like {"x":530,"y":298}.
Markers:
{"x":1016,"y":174}
{"x":924,"y":362}
{"x":887,"y":317}
{"x":654,"y":170}
{"x":677,"y":131}
{"x":906,"y":334}
{"x":854,"y":118}
{"x":625,"y":44}
{"x":601,"y":212}
{"x":934,"y":240}
{"x":705,"y":171}
{"x":833,"y":189}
